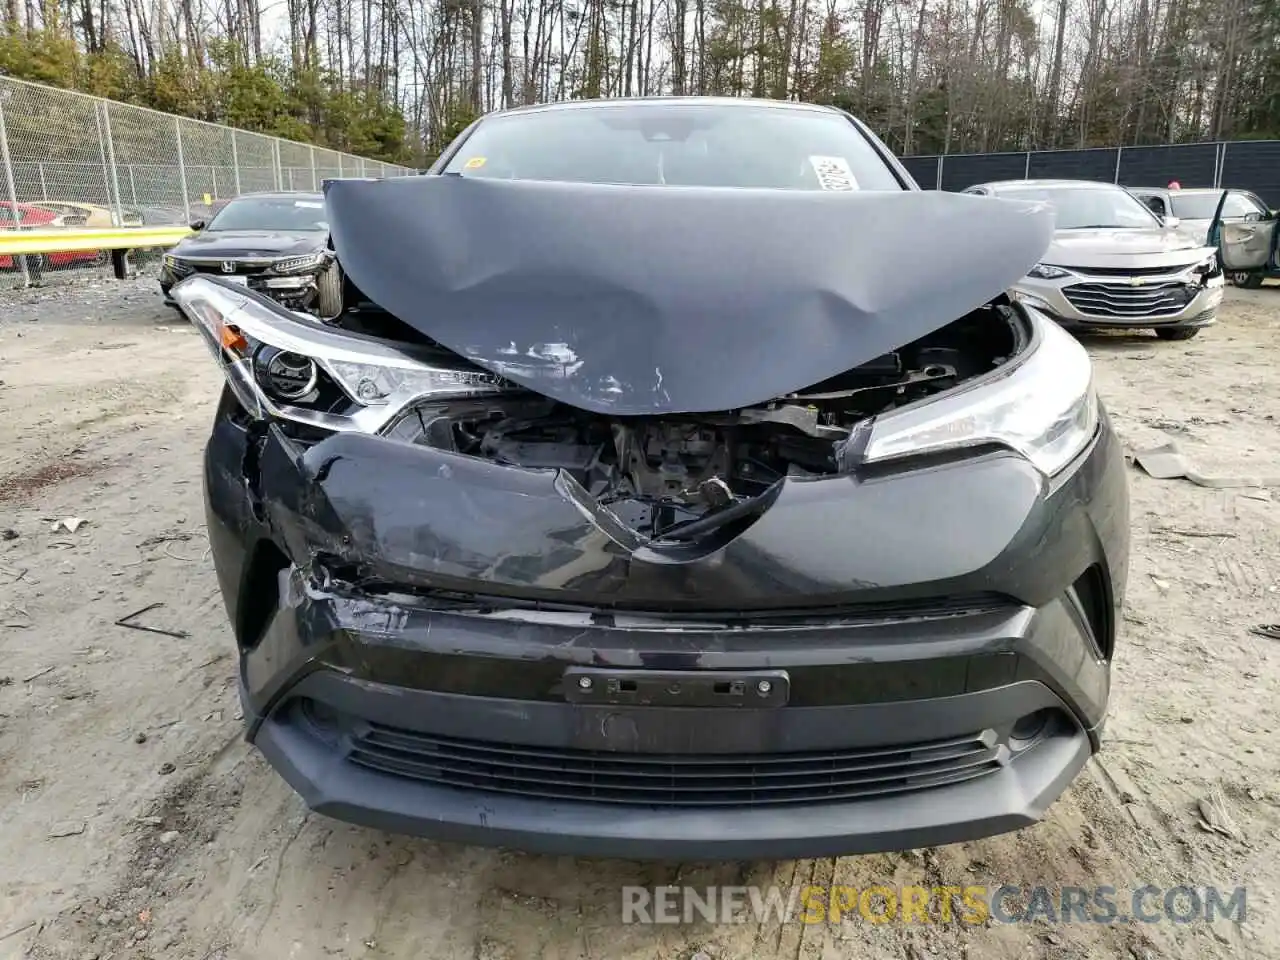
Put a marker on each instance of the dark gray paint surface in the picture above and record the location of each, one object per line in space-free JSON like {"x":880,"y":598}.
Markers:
{"x":644,"y":300}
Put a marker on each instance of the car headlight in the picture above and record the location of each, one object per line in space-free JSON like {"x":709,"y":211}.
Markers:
{"x":1207,"y":266}
{"x":170,"y":260}
{"x":1047,"y":271}
{"x":291,"y":366}
{"x":298,"y":264}
{"x":1044,"y":407}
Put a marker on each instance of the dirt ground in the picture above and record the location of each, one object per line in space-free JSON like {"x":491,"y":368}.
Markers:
{"x":134,"y":821}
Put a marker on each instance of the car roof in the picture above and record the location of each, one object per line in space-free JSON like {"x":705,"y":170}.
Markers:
{"x":613,"y":102}
{"x":1186,"y":189}
{"x":1086,"y":184}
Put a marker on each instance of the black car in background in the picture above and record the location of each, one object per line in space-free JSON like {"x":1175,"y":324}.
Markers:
{"x":647,"y":512}
{"x":274,"y":243}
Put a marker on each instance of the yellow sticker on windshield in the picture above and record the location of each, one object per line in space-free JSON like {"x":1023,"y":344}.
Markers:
{"x":475,"y":163}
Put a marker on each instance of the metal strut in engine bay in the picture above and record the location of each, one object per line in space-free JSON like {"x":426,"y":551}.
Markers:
{"x":935,"y":371}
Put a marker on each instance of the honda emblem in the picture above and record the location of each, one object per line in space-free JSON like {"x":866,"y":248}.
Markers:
{"x":228,"y":266}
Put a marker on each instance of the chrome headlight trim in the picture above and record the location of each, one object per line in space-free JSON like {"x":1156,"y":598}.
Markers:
{"x":1045,"y":408}
{"x":301,"y":264}
{"x":382,"y":379}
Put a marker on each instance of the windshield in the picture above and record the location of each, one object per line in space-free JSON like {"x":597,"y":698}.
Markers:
{"x":1080,"y":208}
{"x":709,"y":145}
{"x":271,"y":213}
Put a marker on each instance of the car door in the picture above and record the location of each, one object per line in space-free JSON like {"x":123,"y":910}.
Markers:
{"x":1243,"y":205}
{"x":1243,"y":242}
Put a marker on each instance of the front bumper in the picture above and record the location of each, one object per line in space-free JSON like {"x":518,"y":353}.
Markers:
{"x":945,"y":684}
{"x":1115,"y":301}
{"x":295,"y":291}
{"x":1014,"y":793}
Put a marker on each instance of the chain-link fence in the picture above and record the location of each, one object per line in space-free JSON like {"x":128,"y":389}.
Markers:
{"x":1252,"y":165}
{"x":71,"y":160}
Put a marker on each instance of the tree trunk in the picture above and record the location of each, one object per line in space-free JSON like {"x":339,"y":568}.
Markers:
{"x":477,"y":36}
{"x":508,"y":90}
{"x":1055,"y":78}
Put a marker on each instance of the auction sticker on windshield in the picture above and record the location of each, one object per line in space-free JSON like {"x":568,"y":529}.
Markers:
{"x":475,"y":163}
{"x":834,"y":173}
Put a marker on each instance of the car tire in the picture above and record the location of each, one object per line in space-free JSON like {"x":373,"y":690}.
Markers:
{"x":1176,"y":333}
{"x":1245,"y":279}
{"x":329,"y":292}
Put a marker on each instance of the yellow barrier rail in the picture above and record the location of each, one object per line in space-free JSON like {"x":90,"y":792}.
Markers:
{"x":117,"y":240}
{"x":17,"y":242}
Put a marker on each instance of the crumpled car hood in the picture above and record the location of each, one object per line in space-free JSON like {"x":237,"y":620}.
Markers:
{"x":651,"y":300}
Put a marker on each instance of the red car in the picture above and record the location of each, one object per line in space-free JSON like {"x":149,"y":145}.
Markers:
{"x":26,"y":215}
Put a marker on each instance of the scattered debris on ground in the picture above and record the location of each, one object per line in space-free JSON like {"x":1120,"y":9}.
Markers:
{"x":129,"y":621}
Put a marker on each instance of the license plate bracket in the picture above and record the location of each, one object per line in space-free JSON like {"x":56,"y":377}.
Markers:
{"x":742,"y":689}
{"x":238,"y":281}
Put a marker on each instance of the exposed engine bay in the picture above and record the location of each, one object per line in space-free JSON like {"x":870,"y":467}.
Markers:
{"x":667,"y":477}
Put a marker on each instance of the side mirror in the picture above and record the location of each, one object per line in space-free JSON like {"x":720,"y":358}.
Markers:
{"x":197,"y":225}
{"x":1170,"y":223}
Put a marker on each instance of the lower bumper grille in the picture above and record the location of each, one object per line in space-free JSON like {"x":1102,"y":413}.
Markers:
{"x":674,"y":780}
{"x":1122,"y":300}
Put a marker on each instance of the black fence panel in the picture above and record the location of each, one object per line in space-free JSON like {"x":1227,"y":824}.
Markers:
{"x":1253,"y":165}
{"x":964,"y":170}
{"x":1191,"y":164}
{"x":1243,"y":164}
{"x":1074,"y":165}
{"x":924,"y":170}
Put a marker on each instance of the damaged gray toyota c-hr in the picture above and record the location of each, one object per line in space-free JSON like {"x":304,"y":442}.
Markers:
{"x":680,"y":483}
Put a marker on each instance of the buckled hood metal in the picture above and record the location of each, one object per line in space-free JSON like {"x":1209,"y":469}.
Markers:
{"x":656,"y":300}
